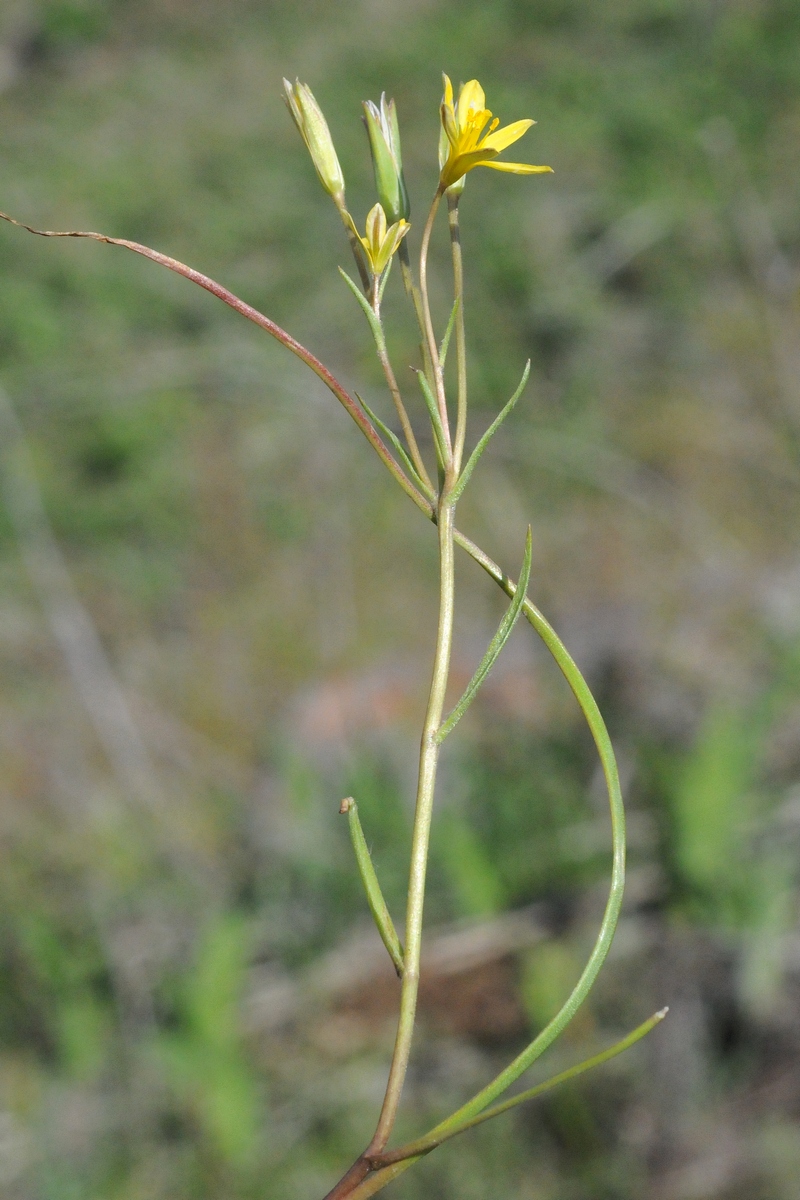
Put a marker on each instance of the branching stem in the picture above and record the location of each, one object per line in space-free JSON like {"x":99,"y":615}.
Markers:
{"x":391,"y":382}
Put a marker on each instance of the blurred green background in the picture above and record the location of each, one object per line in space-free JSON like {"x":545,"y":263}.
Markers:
{"x":216,"y":610}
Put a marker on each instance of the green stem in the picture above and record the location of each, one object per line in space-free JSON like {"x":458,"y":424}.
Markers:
{"x":430,"y":337}
{"x":413,"y":292}
{"x":370,"y":1182}
{"x":391,"y":381}
{"x":361,"y":1181}
{"x":355,"y":1179}
{"x":461,"y":343}
{"x":428,"y":761}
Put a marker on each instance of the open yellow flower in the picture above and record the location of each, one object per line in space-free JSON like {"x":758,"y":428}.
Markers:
{"x":381,"y":241}
{"x":470,"y":137}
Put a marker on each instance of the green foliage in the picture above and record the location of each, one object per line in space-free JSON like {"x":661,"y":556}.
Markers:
{"x":550,"y":971}
{"x":204,"y":1062}
{"x":527,"y":802}
{"x":474,"y":879}
{"x":714,"y":802}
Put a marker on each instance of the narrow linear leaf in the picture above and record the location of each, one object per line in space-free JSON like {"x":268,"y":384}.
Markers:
{"x":588,"y":705}
{"x":433,"y":411}
{"x":398,"y":445}
{"x":258,"y":318}
{"x":369,"y":312}
{"x":495,"y":646}
{"x":448,"y":333}
{"x":377,"y":904}
{"x":430,"y":1141}
{"x":588,"y":1064}
{"x":472,"y":462}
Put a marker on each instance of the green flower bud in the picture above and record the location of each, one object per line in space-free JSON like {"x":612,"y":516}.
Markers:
{"x":314,"y":131}
{"x":384,"y":144}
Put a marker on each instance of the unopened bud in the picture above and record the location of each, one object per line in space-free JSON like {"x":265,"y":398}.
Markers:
{"x":314,"y":131}
{"x":384,"y":144}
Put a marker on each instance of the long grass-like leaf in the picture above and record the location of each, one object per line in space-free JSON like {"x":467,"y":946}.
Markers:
{"x":369,"y":312}
{"x":377,"y":904}
{"x":495,"y":646}
{"x":433,"y":411}
{"x":472,"y":461}
{"x":258,"y":318}
{"x":398,"y":445}
{"x":599,"y":953}
{"x":448,"y":333}
{"x":429,"y":1142}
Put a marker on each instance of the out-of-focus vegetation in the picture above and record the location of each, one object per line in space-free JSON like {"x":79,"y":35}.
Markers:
{"x":215,"y":610}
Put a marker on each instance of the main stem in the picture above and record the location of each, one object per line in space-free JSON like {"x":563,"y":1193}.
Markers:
{"x":428,"y":761}
{"x":356,"y":1177}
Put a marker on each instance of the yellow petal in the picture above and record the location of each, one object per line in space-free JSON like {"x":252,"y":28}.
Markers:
{"x":448,"y":91}
{"x":516,"y":168}
{"x":508,"y":134}
{"x":393,"y":238}
{"x":461,"y":163}
{"x":474,"y":127}
{"x":471,"y":99}
{"x":376,"y":227}
{"x":449,"y":124}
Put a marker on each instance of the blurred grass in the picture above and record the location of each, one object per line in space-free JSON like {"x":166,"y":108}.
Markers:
{"x":269,"y":618}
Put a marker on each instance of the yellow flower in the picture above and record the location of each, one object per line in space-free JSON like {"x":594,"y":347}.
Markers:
{"x":380,"y":242}
{"x":466,"y":142}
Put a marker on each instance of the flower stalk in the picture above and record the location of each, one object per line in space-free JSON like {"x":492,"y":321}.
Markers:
{"x":461,"y":337}
{"x":426,"y":786}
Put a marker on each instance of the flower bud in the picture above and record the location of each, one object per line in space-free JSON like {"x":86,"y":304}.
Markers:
{"x":381,"y":239}
{"x":314,"y":131}
{"x":384,"y":144}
